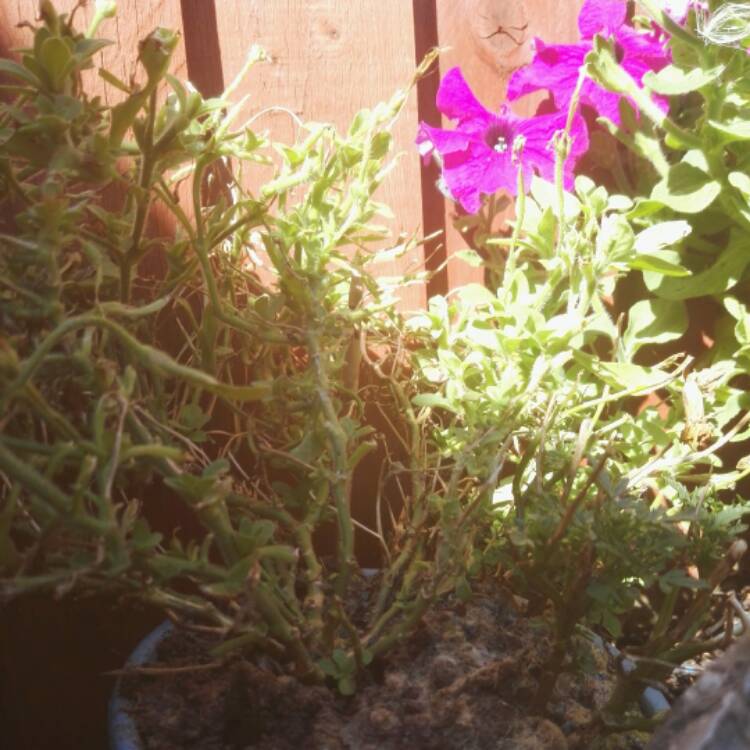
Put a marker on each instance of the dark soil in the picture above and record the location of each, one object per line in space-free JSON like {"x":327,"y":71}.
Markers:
{"x":465,"y":679}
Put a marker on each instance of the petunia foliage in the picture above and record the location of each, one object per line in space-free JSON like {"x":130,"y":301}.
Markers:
{"x":632,"y":284}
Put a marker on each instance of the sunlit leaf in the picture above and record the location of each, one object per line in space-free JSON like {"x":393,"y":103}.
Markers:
{"x":673,"y":81}
{"x":653,"y":322}
{"x":686,"y":189}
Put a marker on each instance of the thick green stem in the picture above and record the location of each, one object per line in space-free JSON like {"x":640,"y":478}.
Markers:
{"x":418,"y":505}
{"x":142,"y":353}
{"x":510,"y":263}
{"x":286,"y":633}
{"x":143,"y":203}
{"x":403,"y":628}
{"x":39,"y":485}
{"x":341,"y":483}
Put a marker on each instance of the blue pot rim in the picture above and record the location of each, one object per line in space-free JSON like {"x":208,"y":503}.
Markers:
{"x":123,"y":734}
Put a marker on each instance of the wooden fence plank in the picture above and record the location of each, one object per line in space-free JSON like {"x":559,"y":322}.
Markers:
{"x":328,"y":60}
{"x":487,"y":62}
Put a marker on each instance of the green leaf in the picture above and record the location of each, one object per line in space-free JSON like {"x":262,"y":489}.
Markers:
{"x":463,"y":589}
{"x":193,"y":417}
{"x":737,"y":129}
{"x":615,"y":241}
{"x":545,"y":194}
{"x":167,"y":566}
{"x":279,"y":552}
{"x":342,"y":660}
{"x":472,"y":257}
{"x":87,"y":48}
{"x":686,"y":189}
{"x":434,"y":400}
{"x":475,"y":295}
{"x":483,"y":335}
{"x":11,"y":68}
{"x":113,"y":80}
{"x":741,"y":181}
{"x":667,"y":263}
{"x":217,"y":468}
{"x":739,"y":312}
{"x":679,"y":579}
{"x":650,"y":250}
{"x":309,"y":449}
{"x":56,"y":59}
{"x":347,"y":685}
{"x":718,"y":278}
{"x":659,"y":236}
{"x":653,"y":322}
{"x":644,"y":208}
{"x":633,"y":378}
{"x":123,"y":115}
{"x":143,"y":538}
{"x":610,"y":622}
{"x":674,"y":81}
{"x":328,"y":667}
{"x":256,"y":533}
{"x":619,"y":203}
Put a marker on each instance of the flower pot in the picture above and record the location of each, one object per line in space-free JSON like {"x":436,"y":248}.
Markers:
{"x":123,"y":734}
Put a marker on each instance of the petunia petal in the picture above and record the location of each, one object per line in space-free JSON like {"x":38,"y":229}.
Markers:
{"x":479,"y":171}
{"x":478,"y":156}
{"x":554,"y":67}
{"x":445,"y":141}
{"x":601,"y":17}
{"x":456,"y":100}
{"x":641,"y":52}
{"x":539,"y":151}
{"x":604,"y":103}
{"x":462,"y":173}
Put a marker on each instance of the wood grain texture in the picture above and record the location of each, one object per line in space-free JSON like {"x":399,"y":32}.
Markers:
{"x":487,"y":62}
{"x":330,"y":59}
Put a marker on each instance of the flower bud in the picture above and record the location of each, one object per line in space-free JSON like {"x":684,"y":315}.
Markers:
{"x":155,"y":52}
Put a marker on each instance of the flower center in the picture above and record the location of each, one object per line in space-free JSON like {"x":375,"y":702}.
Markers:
{"x":497,"y":138}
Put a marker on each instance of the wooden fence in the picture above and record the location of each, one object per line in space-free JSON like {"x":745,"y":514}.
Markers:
{"x":330,"y":58}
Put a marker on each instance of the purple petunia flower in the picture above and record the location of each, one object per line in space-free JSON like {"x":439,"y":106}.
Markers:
{"x":556,"y":67}
{"x":479,"y":156}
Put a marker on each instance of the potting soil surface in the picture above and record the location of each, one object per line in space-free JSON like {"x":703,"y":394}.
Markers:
{"x":464,"y":680}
